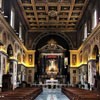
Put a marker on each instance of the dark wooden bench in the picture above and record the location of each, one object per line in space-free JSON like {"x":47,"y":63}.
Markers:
{"x":80,"y":94}
{"x":21,"y":94}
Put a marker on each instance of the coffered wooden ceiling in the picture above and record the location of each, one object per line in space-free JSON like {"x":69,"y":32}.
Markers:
{"x":52,"y":14}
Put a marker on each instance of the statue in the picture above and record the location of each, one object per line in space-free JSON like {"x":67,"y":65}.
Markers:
{"x":52,"y":65}
{"x":52,"y":68}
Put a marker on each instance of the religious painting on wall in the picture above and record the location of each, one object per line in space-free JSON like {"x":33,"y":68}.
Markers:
{"x":51,"y":66}
{"x":74,"y":59}
{"x":30,"y":58}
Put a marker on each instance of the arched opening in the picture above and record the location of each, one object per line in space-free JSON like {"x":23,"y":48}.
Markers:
{"x":10,"y":63}
{"x":49,"y":34}
{"x":45,"y":57}
{"x":19,"y":74}
{"x":10,"y":50}
{"x":95,"y":66}
{"x":6,"y":82}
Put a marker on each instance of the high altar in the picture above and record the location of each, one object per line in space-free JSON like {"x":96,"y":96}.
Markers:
{"x":51,"y":61}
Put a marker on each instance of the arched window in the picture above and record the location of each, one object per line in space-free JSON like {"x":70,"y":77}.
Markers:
{"x":85,"y":31}
{"x":10,"y":51}
{"x":12,"y":18}
{"x":20,"y":30}
{"x":94,"y":19}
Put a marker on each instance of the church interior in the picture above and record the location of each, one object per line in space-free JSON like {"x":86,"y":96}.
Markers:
{"x":49,"y":50}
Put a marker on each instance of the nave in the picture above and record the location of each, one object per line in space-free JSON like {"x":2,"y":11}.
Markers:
{"x":52,"y":43}
{"x":52,"y":94}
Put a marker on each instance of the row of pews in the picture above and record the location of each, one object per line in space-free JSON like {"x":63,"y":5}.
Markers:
{"x":80,"y":94}
{"x":29,"y":93}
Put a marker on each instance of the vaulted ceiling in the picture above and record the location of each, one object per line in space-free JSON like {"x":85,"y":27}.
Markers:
{"x":52,"y":14}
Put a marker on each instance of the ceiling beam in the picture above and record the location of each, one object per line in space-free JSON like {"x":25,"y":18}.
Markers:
{"x":53,"y":30}
{"x":46,"y":9}
{"x":71,"y":10}
{"x":54,"y":21}
{"x":58,"y":11}
{"x":52,"y":4}
{"x":35,"y":12}
{"x":83,"y":9}
{"x":26,"y":4}
{"x":23,"y":12}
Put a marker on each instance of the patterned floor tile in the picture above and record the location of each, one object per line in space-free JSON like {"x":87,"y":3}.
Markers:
{"x":51,"y":94}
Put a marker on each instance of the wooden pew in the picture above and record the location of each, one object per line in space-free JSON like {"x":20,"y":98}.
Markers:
{"x":21,"y":94}
{"x":80,"y":94}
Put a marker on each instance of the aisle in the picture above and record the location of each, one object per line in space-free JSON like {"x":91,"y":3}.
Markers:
{"x":51,"y":94}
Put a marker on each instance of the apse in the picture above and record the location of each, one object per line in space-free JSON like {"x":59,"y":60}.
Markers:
{"x":50,"y":58}
{"x":61,"y":41}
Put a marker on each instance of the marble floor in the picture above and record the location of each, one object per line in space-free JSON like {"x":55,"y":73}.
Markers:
{"x":51,"y":94}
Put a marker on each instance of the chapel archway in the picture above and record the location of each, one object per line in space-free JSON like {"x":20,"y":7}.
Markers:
{"x":46,"y":56}
{"x":6,"y":78}
{"x":10,"y":54}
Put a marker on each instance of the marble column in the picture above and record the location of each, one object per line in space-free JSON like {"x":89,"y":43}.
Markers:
{"x":99,"y":64}
{"x":14,"y":73}
{"x":42,"y":64}
{"x":23,"y":73}
{"x":59,"y":63}
{"x":91,"y":72}
{"x":1,"y":71}
{"x":62,"y":64}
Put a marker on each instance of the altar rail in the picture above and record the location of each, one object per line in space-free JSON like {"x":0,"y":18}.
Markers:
{"x":54,"y":85}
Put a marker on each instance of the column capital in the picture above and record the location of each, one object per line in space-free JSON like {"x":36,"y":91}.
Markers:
{"x":13,"y":59}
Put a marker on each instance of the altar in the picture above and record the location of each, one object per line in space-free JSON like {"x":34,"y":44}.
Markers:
{"x":52,"y":83}
{"x":51,"y":63}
